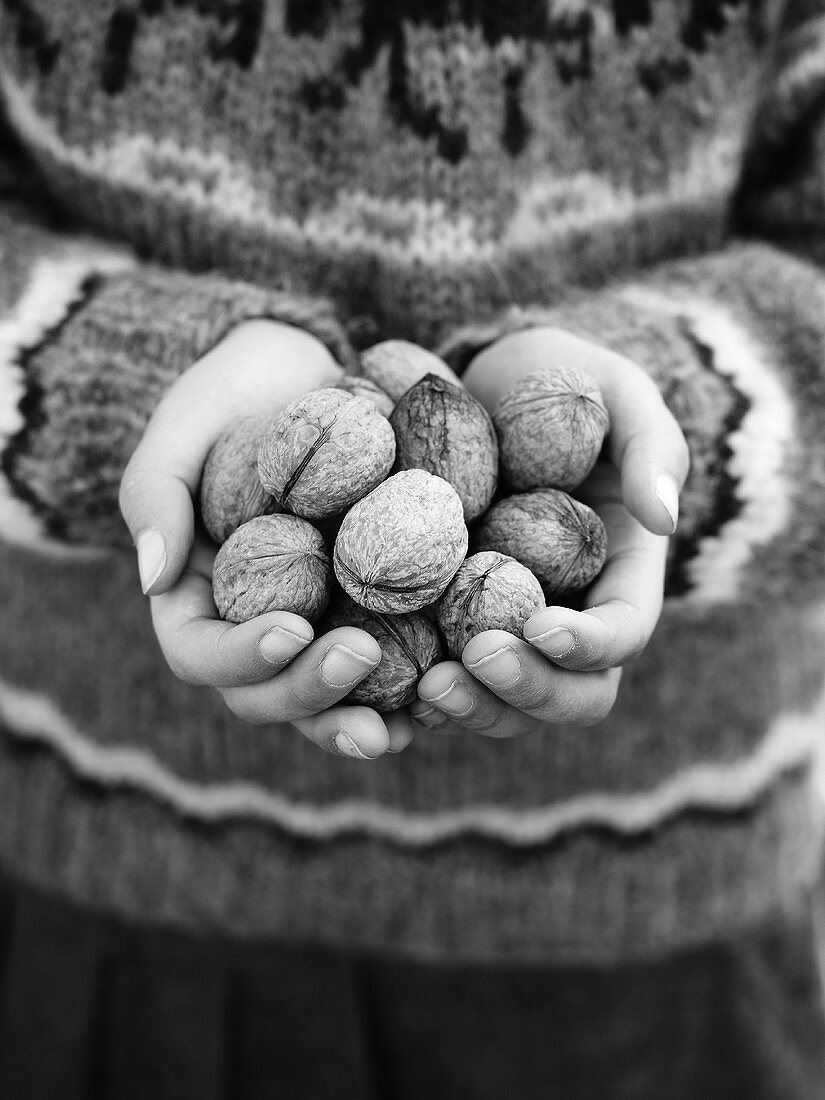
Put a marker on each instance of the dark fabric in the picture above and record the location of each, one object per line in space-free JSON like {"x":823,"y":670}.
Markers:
{"x":90,"y":1008}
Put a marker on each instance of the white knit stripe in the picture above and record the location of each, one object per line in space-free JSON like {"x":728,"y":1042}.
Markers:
{"x":54,"y":285}
{"x":759,"y":446}
{"x":789,"y":744}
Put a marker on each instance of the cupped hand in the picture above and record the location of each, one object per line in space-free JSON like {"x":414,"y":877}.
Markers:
{"x":567,"y":666}
{"x":270,"y":669}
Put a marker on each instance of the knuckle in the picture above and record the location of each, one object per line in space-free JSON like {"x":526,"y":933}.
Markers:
{"x":534,"y":697}
{"x":303,"y":697}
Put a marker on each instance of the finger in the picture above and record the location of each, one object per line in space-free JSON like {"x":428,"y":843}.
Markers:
{"x":202,"y":649}
{"x":624,"y":604}
{"x":244,"y":371}
{"x":519,"y":675}
{"x":457,"y":697}
{"x":400,"y":729}
{"x":645,"y":442}
{"x":357,"y":732}
{"x":323,"y":674}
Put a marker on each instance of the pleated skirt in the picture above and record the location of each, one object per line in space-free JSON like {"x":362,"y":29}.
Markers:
{"x":93,"y":1009}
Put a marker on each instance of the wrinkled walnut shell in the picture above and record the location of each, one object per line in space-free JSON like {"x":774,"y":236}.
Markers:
{"x":325,"y":451}
{"x":489,"y":592}
{"x":362,"y":387}
{"x":443,"y":429}
{"x":395,"y":365}
{"x":231,"y":492}
{"x":399,"y":547}
{"x":410,"y":644}
{"x":272,"y":563}
{"x":551,"y":426}
{"x":560,"y":540}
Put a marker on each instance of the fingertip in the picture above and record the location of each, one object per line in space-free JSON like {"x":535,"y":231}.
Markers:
{"x":293,"y":624}
{"x":400,"y":730}
{"x":163,"y":541}
{"x":278,"y":645}
{"x":150,"y":546}
{"x":483,"y":645}
{"x":666,"y":491}
{"x":366,"y":730}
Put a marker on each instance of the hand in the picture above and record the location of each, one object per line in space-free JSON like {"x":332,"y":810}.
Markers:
{"x":567,"y":667}
{"x":269,"y":669}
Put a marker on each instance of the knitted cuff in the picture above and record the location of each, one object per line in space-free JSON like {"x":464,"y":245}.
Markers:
{"x":89,"y":342}
{"x":736,"y":342}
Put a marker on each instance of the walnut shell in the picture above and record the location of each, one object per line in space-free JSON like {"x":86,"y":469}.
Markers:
{"x":410,"y":644}
{"x":395,"y":365}
{"x":443,"y":429}
{"x":362,"y":387}
{"x":231,"y":492}
{"x":562,"y":541}
{"x":399,"y":547}
{"x":490,"y":591}
{"x":551,"y":426}
{"x":325,"y":451}
{"x":272,"y":563}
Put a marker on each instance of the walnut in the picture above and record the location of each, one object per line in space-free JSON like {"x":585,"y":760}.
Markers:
{"x":325,"y":451}
{"x":362,"y":387}
{"x":399,"y":547}
{"x":559,"y":539}
{"x":443,"y":429}
{"x":410,"y":644}
{"x":272,"y":563}
{"x":231,"y":492}
{"x":551,"y":426}
{"x":395,"y":365}
{"x":489,"y":592}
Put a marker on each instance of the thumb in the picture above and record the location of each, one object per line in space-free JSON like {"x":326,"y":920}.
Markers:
{"x":654,"y":465}
{"x":159,"y":513}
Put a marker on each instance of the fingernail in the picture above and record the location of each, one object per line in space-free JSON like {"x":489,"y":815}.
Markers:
{"x":557,"y":642}
{"x":455,"y":700}
{"x":500,"y":668}
{"x":667,"y":492}
{"x":279,"y":645}
{"x":430,"y":717}
{"x":342,"y":667}
{"x":151,"y":552}
{"x":347,"y":747}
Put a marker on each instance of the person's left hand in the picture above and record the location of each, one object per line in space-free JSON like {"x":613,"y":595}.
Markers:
{"x":567,"y":667}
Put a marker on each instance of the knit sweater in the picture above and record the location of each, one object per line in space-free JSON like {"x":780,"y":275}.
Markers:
{"x":647,"y":173}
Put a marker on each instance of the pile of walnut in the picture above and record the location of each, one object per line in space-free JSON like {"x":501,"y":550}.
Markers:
{"x":375,"y":482}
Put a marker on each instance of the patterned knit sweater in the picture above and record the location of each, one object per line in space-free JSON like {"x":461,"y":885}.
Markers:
{"x":444,"y":172}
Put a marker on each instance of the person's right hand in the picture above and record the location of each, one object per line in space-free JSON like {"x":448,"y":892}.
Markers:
{"x":268,"y":669}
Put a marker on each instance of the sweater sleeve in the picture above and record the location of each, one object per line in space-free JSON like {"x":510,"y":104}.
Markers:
{"x":90,"y":338}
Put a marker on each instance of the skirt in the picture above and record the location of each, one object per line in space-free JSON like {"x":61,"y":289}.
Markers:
{"x":93,"y":1009}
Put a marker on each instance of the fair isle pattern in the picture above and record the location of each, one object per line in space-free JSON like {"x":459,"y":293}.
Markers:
{"x":55,"y":285}
{"x":404,"y":232}
{"x":791,"y":743}
{"x":758,"y":446}
{"x":481,"y":163}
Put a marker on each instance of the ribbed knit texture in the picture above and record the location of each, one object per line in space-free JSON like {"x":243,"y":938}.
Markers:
{"x":448,"y":173}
